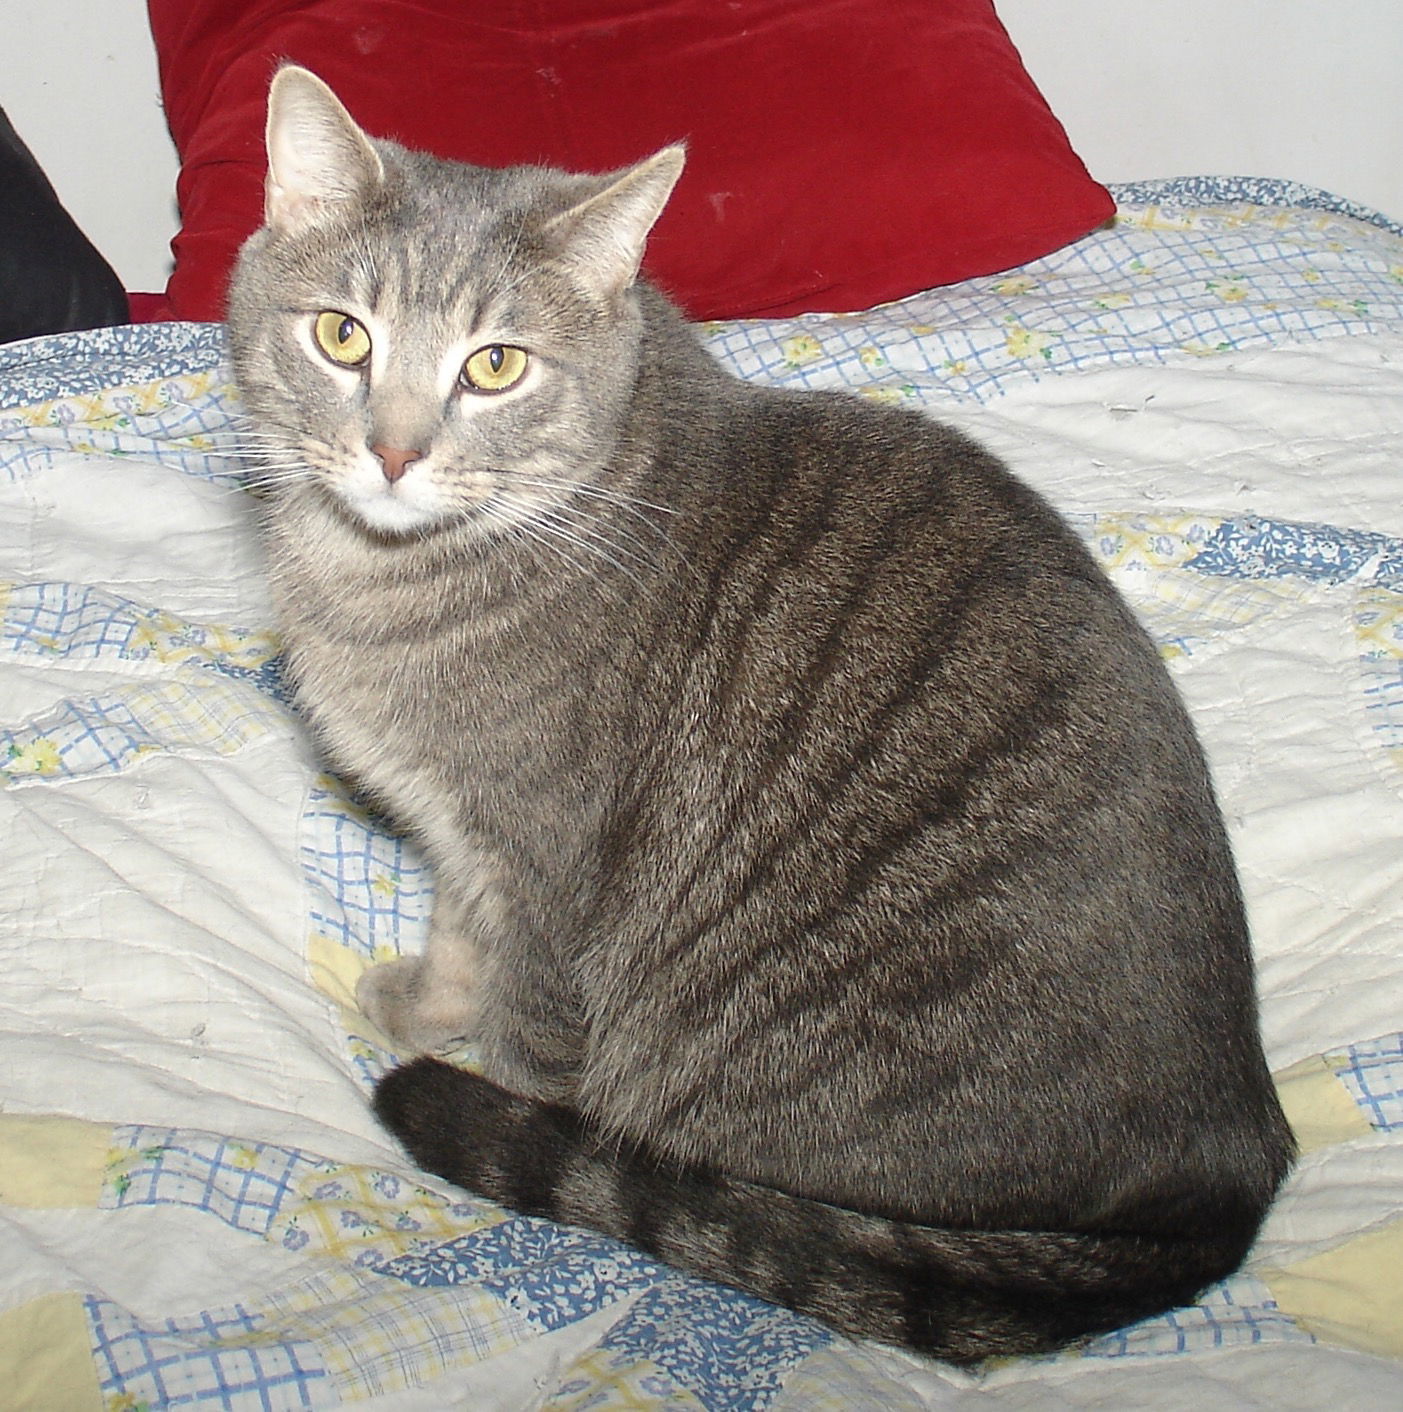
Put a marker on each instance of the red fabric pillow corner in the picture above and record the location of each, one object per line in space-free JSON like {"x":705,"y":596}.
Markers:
{"x":841,"y":153}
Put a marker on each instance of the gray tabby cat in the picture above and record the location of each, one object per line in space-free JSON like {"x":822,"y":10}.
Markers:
{"x":828,"y":874}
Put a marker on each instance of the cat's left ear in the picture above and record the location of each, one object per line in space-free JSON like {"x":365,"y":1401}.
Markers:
{"x":605,"y":234}
{"x":317,"y":156}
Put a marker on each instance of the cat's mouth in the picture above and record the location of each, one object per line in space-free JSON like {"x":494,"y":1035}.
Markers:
{"x":408,"y":508}
{"x":388,"y":510}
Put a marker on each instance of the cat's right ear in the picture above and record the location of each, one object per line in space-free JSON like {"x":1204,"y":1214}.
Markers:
{"x":317,"y":156}
{"x":605,"y":234}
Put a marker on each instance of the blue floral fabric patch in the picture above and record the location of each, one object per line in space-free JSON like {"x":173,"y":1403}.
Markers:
{"x":551,"y":1275}
{"x":1261,"y":548}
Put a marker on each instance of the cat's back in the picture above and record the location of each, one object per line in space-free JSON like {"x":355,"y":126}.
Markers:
{"x":883,"y":636}
{"x":824,"y":535}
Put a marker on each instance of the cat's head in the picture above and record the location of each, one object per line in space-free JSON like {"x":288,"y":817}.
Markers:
{"x":429,"y":343}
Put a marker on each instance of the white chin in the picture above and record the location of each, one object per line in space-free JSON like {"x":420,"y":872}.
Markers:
{"x":390,"y":514}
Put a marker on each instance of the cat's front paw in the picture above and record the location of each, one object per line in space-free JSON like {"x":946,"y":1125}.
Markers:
{"x":397,"y":998}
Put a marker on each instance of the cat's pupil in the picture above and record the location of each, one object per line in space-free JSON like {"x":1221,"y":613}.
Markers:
{"x":496,"y":356}
{"x":345,"y":331}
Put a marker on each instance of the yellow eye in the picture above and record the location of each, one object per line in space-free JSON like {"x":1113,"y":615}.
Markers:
{"x":342,"y":338}
{"x":495,"y":368}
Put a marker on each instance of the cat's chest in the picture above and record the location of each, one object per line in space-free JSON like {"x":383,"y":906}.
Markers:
{"x":483,"y":729}
{"x":418,"y":700}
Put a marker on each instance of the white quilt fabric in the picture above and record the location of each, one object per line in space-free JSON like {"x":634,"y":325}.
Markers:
{"x":196,"y":1206}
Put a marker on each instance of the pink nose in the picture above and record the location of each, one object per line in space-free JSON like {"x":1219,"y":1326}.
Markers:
{"x":395,"y":462}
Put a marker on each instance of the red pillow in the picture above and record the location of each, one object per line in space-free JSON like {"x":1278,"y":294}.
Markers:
{"x":842,"y":152}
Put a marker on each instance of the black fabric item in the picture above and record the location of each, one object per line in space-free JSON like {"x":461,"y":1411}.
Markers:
{"x":51,"y":277}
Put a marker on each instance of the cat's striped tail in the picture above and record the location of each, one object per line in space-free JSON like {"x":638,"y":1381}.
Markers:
{"x":958,"y":1295}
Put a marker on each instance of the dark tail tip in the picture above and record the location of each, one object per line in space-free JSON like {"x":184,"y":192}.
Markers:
{"x":427,"y":1105}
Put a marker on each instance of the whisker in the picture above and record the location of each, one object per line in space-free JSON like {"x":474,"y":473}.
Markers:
{"x":520,"y":534}
{"x":586,"y":523}
{"x":541,"y":520}
{"x":634,"y":506}
{"x":620,"y":498}
{"x":614,"y":536}
{"x":269,"y":477}
{"x":291,"y":470}
{"x":530,"y":536}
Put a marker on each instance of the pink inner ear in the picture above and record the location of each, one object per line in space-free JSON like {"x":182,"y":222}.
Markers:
{"x":316,"y":152}
{"x":607,"y":233}
{"x":275,"y":204}
{"x":285,"y":210}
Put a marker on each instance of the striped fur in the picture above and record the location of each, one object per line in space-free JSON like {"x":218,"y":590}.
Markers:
{"x":959,"y":1295}
{"x":828,"y":874}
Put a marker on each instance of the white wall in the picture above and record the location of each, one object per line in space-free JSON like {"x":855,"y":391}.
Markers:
{"x":78,"y":80}
{"x":1307,"y":89}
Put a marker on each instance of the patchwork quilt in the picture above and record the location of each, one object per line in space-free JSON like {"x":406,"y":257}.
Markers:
{"x":197,"y":1209}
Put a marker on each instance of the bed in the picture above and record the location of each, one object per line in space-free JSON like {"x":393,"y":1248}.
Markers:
{"x":198,"y":1208}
